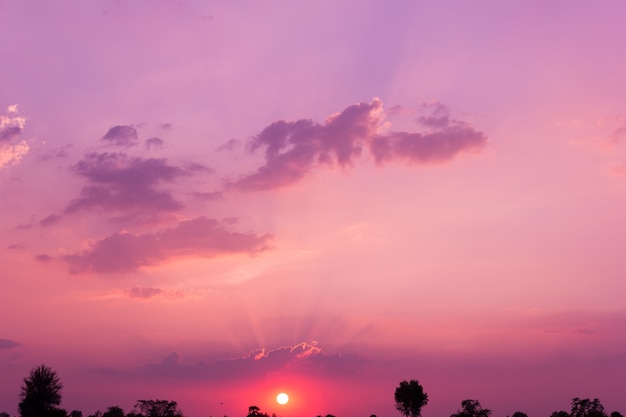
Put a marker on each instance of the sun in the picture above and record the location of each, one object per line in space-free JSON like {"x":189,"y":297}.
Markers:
{"x":282,"y":398}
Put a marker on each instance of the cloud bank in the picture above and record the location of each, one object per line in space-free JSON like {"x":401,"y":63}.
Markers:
{"x":293,"y":149}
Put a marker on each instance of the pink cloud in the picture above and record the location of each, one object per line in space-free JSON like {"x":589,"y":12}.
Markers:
{"x":120,"y":183}
{"x":154,"y":143}
{"x":200,"y":237}
{"x":294,"y":149}
{"x":125,"y":136}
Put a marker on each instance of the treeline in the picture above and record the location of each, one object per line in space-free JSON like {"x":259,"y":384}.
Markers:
{"x":40,"y":396}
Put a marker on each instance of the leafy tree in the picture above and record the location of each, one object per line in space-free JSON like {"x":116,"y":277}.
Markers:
{"x":519,"y":414}
{"x":154,"y":408}
{"x":76,"y":413}
{"x":5,"y":414}
{"x":587,"y":408}
{"x":113,"y":411}
{"x":254,"y":411}
{"x":471,"y":408}
{"x":41,"y":394}
{"x":616,"y":414}
{"x":559,"y":414}
{"x":410,"y":398}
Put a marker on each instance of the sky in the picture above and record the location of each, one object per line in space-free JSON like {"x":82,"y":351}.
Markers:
{"x":213,"y":202}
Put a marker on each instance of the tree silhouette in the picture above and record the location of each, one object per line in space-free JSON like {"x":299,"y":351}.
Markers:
{"x":113,"y":411}
{"x":587,"y":408}
{"x":254,"y":411}
{"x":41,"y":394}
{"x":616,"y":414}
{"x":471,"y":408}
{"x":519,"y":414}
{"x":559,"y":414}
{"x":410,"y":398}
{"x":154,"y":408}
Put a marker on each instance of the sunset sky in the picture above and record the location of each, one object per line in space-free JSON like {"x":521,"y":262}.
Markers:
{"x":215,"y":201}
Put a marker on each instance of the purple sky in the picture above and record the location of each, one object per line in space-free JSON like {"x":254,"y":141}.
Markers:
{"x":216,"y":201}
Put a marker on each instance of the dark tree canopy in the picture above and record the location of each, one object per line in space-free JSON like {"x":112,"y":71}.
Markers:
{"x":254,"y":411}
{"x":41,"y":394}
{"x":587,"y":408}
{"x":559,"y":414}
{"x":410,"y":398}
{"x":616,"y":414}
{"x":155,"y":408}
{"x":519,"y":414}
{"x":471,"y":408}
{"x":113,"y":411}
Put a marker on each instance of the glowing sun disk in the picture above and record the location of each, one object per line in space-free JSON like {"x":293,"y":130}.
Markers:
{"x":282,"y":398}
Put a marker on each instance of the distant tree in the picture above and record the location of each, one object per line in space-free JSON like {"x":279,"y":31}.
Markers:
{"x":410,"y":398}
{"x":75,"y":413}
{"x":471,"y":408}
{"x":99,"y":414}
{"x":41,"y":394}
{"x":587,"y":408}
{"x":616,"y":414}
{"x":519,"y":414}
{"x":254,"y":411}
{"x":155,"y":408}
{"x":5,"y":414}
{"x":113,"y":411}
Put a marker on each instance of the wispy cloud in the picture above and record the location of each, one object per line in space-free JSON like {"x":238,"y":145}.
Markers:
{"x":303,"y":357}
{"x":199,"y":237}
{"x":8,"y":344}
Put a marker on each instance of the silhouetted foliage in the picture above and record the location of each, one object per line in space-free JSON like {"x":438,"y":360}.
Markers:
{"x":254,"y":411}
{"x":410,"y":398}
{"x":519,"y":414}
{"x":587,"y":408}
{"x":41,"y":394}
{"x":471,"y":408}
{"x":99,"y":414}
{"x":559,"y":414}
{"x":75,"y":413}
{"x":113,"y":411}
{"x":616,"y":414}
{"x":155,"y":408}
{"x":5,"y":414}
